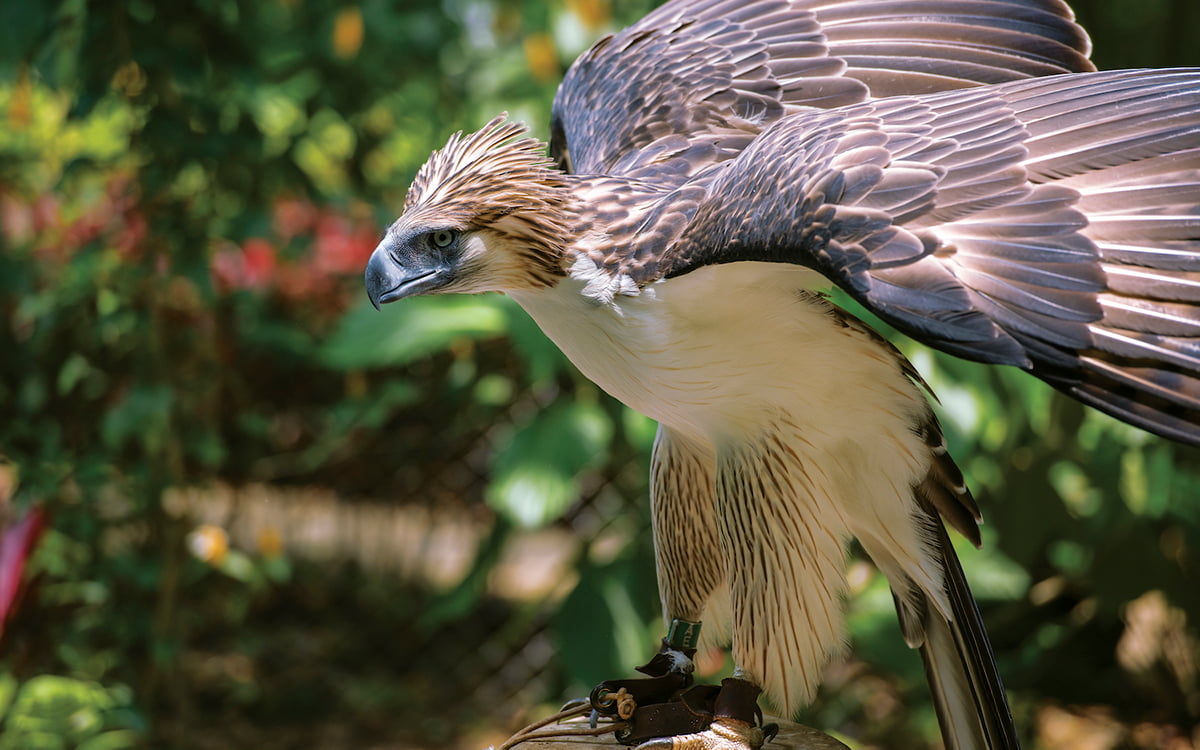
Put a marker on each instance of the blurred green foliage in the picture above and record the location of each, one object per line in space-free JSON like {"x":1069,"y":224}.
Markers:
{"x":188,"y":192}
{"x":56,"y":713}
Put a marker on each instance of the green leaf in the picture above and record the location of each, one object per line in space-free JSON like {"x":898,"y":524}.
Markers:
{"x":531,"y":494}
{"x":587,"y":647}
{"x":240,"y":567}
{"x":22,"y":26}
{"x":640,"y":430}
{"x":871,"y":620}
{"x":542,"y":357}
{"x":1074,"y":487}
{"x":143,"y":414}
{"x":463,"y":597}
{"x":74,"y":370}
{"x":407,"y":331}
{"x":58,"y":705}
{"x":992,"y":574}
{"x":8,"y":689}
{"x":1152,"y":495}
{"x":33,"y":741}
{"x":118,"y":739}
{"x":535,"y":474}
{"x":610,"y":620}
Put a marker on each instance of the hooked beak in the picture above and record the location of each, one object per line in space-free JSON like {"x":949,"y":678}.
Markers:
{"x":388,"y":279}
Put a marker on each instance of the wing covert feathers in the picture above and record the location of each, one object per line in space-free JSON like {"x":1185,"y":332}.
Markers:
{"x":692,"y":82}
{"x":1052,"y":224}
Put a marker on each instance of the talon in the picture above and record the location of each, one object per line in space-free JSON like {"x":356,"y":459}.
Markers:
{"x":770,"y":732}
{"x":723,"y":734}
{"x":574,"y":703}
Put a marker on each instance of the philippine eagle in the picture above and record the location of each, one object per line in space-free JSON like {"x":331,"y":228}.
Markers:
{"x":956,"y":166}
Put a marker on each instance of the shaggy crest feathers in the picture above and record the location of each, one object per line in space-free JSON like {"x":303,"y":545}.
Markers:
{"x":495,"y":180}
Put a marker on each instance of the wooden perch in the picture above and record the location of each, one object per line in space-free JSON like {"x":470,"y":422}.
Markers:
{"x":566,"y":734}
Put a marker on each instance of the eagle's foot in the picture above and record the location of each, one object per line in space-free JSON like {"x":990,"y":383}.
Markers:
{"x":703,"y":717}
{"x":664,"y":710}
{"x":723,"y":734}
{"x":731,"y":714}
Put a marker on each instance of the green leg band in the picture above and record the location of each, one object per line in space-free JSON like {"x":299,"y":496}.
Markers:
{"x":683,"y":635}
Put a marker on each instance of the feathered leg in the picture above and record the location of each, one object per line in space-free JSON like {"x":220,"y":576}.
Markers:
{"x":692,"y":586}
{"x":783,"y":535}
{"x":691,"y":570}
{"x":780,"y":539}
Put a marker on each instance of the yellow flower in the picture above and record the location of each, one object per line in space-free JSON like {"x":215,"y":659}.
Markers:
{"x":209,"y":543}
{"x":270,"y":542}
{"x":541,"y":56}
{"x":593,"y":13}
{"x":348,"y":32}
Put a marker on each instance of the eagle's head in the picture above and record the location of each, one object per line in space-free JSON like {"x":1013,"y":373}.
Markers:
{"x":488,"y":212}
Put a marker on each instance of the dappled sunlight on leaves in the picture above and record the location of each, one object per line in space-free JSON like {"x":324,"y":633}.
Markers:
{"x":401,"y":333}
{"x":536,"y":473}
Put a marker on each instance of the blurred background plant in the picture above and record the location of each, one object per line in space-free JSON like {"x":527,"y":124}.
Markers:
{"x":272,"y":517}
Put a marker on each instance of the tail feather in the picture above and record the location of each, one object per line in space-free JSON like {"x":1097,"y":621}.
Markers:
{"x":960,"y":667}
{"x":941,"y":619}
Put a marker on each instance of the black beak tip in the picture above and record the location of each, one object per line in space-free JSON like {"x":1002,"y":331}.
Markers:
{"x":375,"y":278}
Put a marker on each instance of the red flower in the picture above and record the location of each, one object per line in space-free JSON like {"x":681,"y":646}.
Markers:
{"x":293,"y":216}
{"x":258,"y":257}
{"x":16,"y":543}
{"x":342,"y":247}
{"x":16,"y":219}
{"x":251,"y":266}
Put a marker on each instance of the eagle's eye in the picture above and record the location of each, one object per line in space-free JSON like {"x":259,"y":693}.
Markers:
{"x":443,"y":238}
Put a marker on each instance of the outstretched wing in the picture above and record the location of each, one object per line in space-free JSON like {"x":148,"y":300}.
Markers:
{"x":693,"y":82}
{"x":1052,"y":224}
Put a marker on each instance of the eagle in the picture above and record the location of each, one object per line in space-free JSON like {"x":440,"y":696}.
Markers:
{"x":958,"y":168}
